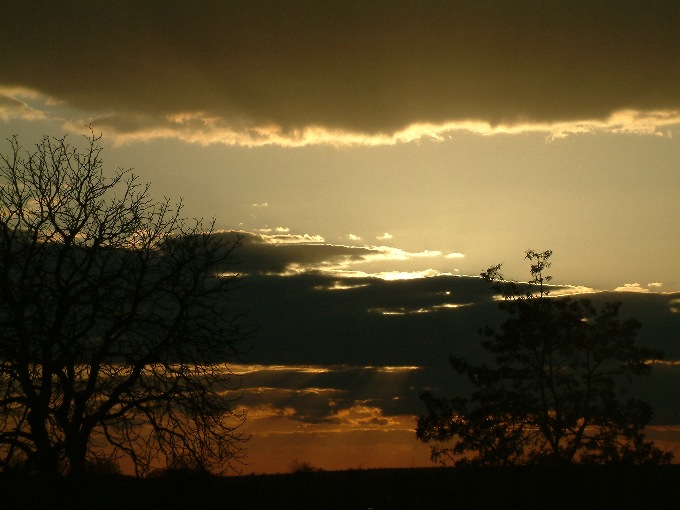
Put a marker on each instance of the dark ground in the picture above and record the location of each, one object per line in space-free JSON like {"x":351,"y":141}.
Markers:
{"x":413,"y":489}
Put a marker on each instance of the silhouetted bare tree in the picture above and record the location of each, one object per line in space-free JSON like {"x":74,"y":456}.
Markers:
{"x":115,"y":319}
{"x":555,"y":394}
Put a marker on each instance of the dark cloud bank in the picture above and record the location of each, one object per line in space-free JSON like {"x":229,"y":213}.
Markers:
{"x":362,"y":66}
{"x":347,"y":336}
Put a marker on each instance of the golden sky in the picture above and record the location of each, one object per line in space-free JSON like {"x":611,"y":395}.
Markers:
{"x":393,"y":139}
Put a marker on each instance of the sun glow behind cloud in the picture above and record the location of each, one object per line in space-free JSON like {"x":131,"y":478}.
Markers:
{"x":297,"y":254}
{"x":657,"y":123}
{"x":204,"y":129}
{"x":407,"y":275}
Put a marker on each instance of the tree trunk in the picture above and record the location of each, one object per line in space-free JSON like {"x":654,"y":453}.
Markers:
{"x":45,"y":459}
{"x":76,"y":452}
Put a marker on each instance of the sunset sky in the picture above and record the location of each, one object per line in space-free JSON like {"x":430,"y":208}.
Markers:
{"x":375,"y":155}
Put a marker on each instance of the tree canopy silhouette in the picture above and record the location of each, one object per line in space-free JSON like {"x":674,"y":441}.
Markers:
{"x":555,"y":393}
{"x":115,"y":320}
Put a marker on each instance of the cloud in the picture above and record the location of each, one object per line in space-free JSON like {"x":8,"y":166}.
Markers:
{"x":402,"y":310}
{"x":11,"y":107}
{"x":384,"y":237}
{"x":277,"y":251}
{"x":361,"y":417}
{"x":353,"y":237}
{"x":326,"y":393}
{"x":407,"y":275}
{"x":631,"y":287}
{"x":327,"y":343}
{"x":571,"y":290}
{"x":260,"y":72}
{"x":283,"y":236}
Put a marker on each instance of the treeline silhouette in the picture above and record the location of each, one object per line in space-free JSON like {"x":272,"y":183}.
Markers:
{"x":525,"y":487}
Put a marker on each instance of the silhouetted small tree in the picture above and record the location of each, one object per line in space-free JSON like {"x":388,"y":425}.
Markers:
{"x":115,"y":319}
{"x":302,"y":466}
{"x":555,"y":393}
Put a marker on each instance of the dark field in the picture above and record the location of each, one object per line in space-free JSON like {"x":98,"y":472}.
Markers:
{"x":413,"y":489}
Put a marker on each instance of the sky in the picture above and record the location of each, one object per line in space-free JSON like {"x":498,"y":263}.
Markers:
{"x":375,"y":156}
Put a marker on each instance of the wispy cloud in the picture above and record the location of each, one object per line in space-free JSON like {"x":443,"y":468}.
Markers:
{"x":283,"y":237}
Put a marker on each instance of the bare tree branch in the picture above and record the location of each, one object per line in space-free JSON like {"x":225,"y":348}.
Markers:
{"x":116,"y":319}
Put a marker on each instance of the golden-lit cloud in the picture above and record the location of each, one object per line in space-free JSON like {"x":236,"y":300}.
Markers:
{"x":570,"y":290}
{"x":631,"y":287}
{"x":407,"y":275}
{"x":279,"y":251}
{"x":675,"y":305}
{"x":355,"y":73}
{"x":13,"y":107}
{"x":657,"y":123}
{"x":283,"y":237}
{"x":241,"y":369}
{"x":403,"y":310}
{"x":363,"y":416}
{"x":337,"y":285}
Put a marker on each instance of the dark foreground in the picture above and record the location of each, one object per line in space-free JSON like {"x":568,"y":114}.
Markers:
{"x":413,"y":489}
